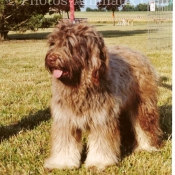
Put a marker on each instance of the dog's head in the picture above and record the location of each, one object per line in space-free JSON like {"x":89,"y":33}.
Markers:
{"x":75,"y":48}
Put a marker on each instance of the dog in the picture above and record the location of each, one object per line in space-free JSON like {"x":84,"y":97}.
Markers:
{"x":98,"y":90}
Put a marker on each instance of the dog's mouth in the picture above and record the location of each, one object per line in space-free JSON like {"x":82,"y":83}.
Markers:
{"x":52,"y":65}
{"x":59,"y":73}
{"x":63,"y":71}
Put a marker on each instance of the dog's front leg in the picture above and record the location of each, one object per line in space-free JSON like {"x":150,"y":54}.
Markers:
{"x":65,"y":145}
{"x":103,"y":145}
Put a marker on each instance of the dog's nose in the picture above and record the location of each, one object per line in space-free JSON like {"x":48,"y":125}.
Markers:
{"x":51,"y":59}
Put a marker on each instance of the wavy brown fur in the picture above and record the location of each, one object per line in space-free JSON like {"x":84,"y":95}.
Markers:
{"x":99,"y":91}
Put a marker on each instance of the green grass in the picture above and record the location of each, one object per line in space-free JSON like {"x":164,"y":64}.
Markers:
{"x":94,"y":15}
{"x":25,"y":95}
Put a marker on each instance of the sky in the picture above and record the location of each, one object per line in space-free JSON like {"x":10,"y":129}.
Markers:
{"x":92,"y":3}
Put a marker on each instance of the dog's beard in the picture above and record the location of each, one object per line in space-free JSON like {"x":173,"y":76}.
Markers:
{"x":69,"y":74}
{"x":71,"y":80}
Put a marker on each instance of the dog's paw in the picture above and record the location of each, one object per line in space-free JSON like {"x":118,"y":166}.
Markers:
{"x":145,"y":148}
{"x":100,"y":163}
{"x":55,"y":163}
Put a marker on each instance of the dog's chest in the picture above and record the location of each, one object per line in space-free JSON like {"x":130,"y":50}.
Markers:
{"x":84,"y":104}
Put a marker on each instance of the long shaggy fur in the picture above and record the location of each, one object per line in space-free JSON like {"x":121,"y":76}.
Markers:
{"x":111,"y":92}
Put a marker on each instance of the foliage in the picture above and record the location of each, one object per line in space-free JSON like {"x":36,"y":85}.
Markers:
{"x":17,"y":15}
{"x":128,"y":7}
{"x":170,"y":7}
{"x":88,"y":9}
{"x":60,"y":6}
{"x":110,"y":4}
{"x":141,"y":7}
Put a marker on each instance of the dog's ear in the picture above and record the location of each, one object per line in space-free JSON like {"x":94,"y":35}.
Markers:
{"x":99,"y":73}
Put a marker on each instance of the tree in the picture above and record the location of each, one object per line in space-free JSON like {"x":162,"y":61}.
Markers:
{"x":141,"y":7}
{"x":17,"y":15}
{"x":64,"y":5}
{"x":110,"y":4}
{"x":128,"y":7}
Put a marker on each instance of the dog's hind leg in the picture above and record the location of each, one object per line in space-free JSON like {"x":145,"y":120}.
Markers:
{"x":146,"y":126}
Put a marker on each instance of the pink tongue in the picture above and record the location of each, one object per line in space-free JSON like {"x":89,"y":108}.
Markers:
{"x":57,"y":73}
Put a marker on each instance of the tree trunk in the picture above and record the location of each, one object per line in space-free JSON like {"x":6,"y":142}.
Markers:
{"x":67,"y":14}
{"x":3,"y":31}
{"x":3,"y":35}
{"x":113,"y":16}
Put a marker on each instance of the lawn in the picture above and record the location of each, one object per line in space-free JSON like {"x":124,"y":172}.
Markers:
{"x":25,"y":95}
{"x":95,"y":15}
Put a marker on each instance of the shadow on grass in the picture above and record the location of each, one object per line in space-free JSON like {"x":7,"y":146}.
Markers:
{"x":32,"y":121}
{"x":98,"y":25}
{"x":27,"y":123}
{"x":166,"y":111}
{"x":166,"y":121}
{"x":119,"y":33}
{"x":106,"y":34}
{"x":162,"y":83}
{"x":29,"y":36}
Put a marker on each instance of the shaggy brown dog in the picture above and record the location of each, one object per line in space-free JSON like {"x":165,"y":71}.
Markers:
{"x":94,"y":88}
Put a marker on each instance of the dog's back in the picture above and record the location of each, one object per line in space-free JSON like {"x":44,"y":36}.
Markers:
{"x":132,"y":73}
